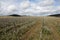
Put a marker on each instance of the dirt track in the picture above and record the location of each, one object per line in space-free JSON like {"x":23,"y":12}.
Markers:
{"x":34,"y":33}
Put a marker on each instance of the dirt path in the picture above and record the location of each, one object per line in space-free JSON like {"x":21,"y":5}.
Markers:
{"x":33,"y":32}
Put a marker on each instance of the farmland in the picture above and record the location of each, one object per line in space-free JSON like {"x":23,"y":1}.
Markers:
{"x":29,"y":28}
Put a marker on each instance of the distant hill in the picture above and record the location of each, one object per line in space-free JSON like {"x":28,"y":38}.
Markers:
{"x":16,"y":15}
{"x":55,"y":15}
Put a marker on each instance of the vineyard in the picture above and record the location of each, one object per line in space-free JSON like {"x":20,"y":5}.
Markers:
{"x":29,"y":28}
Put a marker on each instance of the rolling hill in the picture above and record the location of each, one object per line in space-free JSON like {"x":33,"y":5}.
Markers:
{"x":55,"y":15}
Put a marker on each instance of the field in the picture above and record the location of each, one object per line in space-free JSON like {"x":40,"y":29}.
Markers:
{"x":29,"y":28}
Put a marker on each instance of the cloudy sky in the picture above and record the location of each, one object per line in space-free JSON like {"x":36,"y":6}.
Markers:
{"x":29,"y":7}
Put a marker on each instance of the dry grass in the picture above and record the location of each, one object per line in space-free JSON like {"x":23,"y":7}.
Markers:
{"x":29,"y":28}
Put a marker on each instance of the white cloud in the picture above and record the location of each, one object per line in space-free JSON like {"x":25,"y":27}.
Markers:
{"x":43,"y":7}
{"x":46,"y":2}
{"x":11,"y":7}
{"x":58,"y":8}
{"x":24,"y":4}
{"x":38,"y":9}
